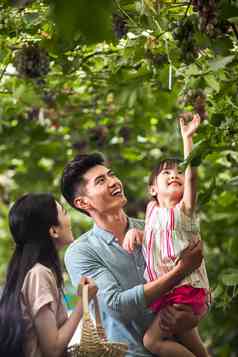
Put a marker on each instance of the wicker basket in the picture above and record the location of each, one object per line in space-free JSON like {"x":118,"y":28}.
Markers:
{"x":93,"y":339}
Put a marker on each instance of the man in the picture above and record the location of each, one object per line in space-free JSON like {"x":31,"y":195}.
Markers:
{"x":92,"y":188}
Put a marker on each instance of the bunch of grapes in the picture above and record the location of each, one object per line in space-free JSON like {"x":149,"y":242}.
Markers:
{"x":31,"y":61}
{"x":156,"y":59}
{"x":207,"y":15}
{"x":125,"y":133}
{"x":21,"y":3}
{"x":49,"y":97}
{"x":99,"y":135}
{"x":197,"y":99}
{"x":120,"y":27}
{"x":33,"y":114}
{"x":80,"y":145}
{"x":183,"y":32}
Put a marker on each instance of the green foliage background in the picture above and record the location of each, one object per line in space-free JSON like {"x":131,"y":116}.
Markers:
{"x":114,"y":95}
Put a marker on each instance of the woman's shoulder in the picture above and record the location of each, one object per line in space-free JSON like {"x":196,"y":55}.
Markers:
{"x":39,"y":289}
{"x":41,"y":270}
{"x":39,"y":275}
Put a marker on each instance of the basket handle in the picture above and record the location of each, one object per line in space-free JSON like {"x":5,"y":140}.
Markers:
{"x":86,"y":309}
{"x":85,"y":300}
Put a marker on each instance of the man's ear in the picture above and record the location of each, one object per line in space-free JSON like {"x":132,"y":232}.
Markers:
{"x":152,"y":190}
{"x":82,"y":202}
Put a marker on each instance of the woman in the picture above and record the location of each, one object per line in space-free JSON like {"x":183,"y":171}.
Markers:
{"x":33,"y":320}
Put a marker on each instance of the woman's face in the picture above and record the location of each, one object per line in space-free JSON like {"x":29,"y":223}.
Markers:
{"x":62,"y":232}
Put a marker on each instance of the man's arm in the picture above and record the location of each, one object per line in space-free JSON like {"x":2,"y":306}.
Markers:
{"x":126,"y":304}
{"x":190,"y":260}
{"x":123,"y":304}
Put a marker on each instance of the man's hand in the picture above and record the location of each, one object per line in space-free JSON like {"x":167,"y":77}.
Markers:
{"x":189,"y":128}
{"x":132,"y":238}
{"x":177,"y":318}
{"x":191,"y":257}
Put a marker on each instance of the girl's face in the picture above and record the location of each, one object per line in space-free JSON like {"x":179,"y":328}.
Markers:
{"x":62,"y":233}
{"x":169,"y":183}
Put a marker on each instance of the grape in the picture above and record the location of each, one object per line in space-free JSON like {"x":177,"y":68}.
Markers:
{"x":125,"y":133}
{"x":157,"y":59}
{"x":21,"y":3}
{"x":33,"y":114}
{"x":208,"y":18}
{"x":49,"y":98}
{"x":31,"y":61}
{"x":119,"y":26}
{"x":183,"y":33}
{"x":197,"y":99}
{"x":80,"y":145}
{"x":98,"y":135}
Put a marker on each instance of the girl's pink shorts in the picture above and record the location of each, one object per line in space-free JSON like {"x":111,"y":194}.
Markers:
{"x":185,"y":294}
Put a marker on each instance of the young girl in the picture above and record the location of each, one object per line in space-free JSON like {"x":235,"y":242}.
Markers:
{"x":170,"y":227}
{"x":33,"y":319}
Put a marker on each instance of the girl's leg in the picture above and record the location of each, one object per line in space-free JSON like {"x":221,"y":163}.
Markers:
{"x":159,"y":344}
{"x":192,"y":340}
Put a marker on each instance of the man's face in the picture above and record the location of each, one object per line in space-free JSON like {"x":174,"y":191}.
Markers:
{"x":103,"y":190}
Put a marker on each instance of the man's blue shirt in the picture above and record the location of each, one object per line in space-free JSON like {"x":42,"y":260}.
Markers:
{"x":120,"y":280}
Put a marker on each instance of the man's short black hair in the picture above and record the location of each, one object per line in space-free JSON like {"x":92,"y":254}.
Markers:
{"x":72,"y":181}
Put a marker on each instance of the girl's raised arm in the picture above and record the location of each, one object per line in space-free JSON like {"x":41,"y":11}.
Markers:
{"x":190,"y":183}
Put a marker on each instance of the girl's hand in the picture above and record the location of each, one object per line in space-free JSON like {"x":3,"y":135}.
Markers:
{"x":132,"y":238}
{"x":92,"y":288}
{"x":189,"y":128}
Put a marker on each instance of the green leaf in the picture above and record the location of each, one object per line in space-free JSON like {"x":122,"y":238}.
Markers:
{"x":232,"y":184}
{"x":212,"y":82}
{"x":206,"y":195}
{"x":228,"y":10}
{"x":217,"y":119}
{"x":219,"y":290}
{"x":220,"y":62}
{"x":200,"y":150}
{"x":93,"y":19}
{"x":230,"y":277}
{"x":234,"y":19}
{"x":193,"y":70}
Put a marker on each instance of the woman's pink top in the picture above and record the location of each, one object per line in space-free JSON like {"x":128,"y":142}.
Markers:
{"x":39,"y":289}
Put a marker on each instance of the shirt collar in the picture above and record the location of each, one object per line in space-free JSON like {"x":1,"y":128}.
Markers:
{"x":108,"y":237}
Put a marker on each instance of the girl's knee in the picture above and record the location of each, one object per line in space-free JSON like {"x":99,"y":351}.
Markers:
{"x":153,"y":345}
{"x":148,"y":342}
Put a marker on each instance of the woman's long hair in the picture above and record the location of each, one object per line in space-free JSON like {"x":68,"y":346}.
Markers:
{"x":30,"y":219}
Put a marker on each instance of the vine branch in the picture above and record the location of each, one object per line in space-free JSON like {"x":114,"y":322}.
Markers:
{"x":188,"y":7}
{"x":235,"y":30}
